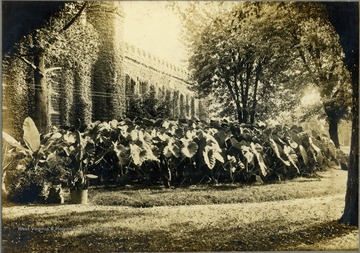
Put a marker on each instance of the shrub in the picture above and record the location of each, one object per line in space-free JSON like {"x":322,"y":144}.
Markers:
{"x":170,"y":152}
{"x":178,"y":151}
{"x":148,"y":106}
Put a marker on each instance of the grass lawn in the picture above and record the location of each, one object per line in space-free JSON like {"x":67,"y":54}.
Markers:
{"x":295,"y":215}
{"x":216,"y":194}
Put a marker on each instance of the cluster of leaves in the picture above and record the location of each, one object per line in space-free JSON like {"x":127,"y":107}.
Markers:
{"x":172,"y":152}
{"x":59,"y":157}
{"x":149,"y":105}
{"x":29,"y":164}
{"x":176,"y":152}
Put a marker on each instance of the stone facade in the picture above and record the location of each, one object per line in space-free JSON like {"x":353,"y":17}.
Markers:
{"x":142,"y":70}
{"x":122,"y":71}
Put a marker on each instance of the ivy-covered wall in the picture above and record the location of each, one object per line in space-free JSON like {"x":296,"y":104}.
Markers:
{"x":90,"y":67}
{"x":170,"y":81}
{"x":107,"y":78}
{"x":71,"y":86}
{"x":16,"y":95}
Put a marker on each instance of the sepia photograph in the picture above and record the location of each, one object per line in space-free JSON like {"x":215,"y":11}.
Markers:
{"x":179,"y":126}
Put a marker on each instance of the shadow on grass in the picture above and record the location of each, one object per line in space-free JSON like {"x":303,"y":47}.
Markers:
{"x":72,"y":218}
{"x":270,"y":241}
{"x":180,"y":237}
{"x":45,"y":232}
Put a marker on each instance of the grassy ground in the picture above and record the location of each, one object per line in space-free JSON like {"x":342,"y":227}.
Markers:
{"x":295,"y":215}
{"x":218,"y":194}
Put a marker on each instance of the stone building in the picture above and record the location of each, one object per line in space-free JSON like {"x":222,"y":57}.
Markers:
{"x":143,"y":70}
{"x":96,"y":87}
{"x":124,"y":71}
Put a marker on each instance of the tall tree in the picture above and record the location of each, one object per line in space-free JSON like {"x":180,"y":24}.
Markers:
{"x":345,"y":18}
{"x":35,"y":47}
{"x":240,"y":55}
{"x":323,"y":58}
{"x":270,"y":48}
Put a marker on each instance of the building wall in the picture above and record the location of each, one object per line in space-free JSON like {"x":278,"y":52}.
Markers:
{"x":122,"y":70}
{"x":143,"y":70}
{"x":107,"y":19}
{"x":97,"y":92}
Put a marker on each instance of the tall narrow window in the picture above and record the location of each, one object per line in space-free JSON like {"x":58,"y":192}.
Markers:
{"x":182,"y":106}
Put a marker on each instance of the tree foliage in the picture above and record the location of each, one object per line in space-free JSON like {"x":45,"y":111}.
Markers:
{"x":255,"y":56}
{"x":149,"y":105}
{"x":323,"y":59}
{"x":241,"y":55}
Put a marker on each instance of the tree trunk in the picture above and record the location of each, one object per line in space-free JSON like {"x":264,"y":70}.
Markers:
{"x":239,"y":113}
{"x":41,"y":111}
{"x":236,"y":96}
{"x":351,"y":47}
{"x":333,"y":130}
{"x":245,"y":99}
{"x":253,"y":110}
{"x":351,"y":211}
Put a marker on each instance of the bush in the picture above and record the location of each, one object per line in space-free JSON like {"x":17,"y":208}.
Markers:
{"x":24,"y":186}
{"x":148,"y":106}
{"x":174,"y":152}
{"x":146,"y":151}
{"x":34,"y":164}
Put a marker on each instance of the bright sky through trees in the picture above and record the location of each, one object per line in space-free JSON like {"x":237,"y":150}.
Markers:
{"x":311,"y":97}
{"x":155,"y":28}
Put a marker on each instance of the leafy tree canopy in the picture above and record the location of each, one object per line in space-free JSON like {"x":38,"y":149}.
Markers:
{"x":255,"y":57}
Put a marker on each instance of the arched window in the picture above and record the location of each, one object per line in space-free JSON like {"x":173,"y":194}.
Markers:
{"x":176,"y":104}
{"x":127,"y":85}
{"x":182,"y":106}
{"x":143,"y":88}
{"x":187,"y":105}
{"x":192,"y":108}
{"x":129,"y":90}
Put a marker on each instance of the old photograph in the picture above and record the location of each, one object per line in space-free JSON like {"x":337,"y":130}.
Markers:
{"x":180,"y":126}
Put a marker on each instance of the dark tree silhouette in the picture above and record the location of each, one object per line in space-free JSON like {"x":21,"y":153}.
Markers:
{"x":345,"y":19}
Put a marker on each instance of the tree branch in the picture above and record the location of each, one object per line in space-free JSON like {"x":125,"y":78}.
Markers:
{"x":302,"y":56}
{"x":30,"y":64}
{"x":74,"y":18}
{"x":72,"y":21}
{"x":52,"y":69}
{"x":36,"y":68}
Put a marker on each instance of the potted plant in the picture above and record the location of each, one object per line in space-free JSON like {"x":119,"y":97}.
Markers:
{"x":56,"y":174}
{"x":36,"y":164}
{"x":81,"y":154}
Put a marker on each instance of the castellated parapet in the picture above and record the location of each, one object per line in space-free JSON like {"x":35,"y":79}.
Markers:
{"x":145,"y":67}
{"x":143,"y":70}
{"x":123,"y":70}
{"x":120,"y":64}
{"x":149,"y":59}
